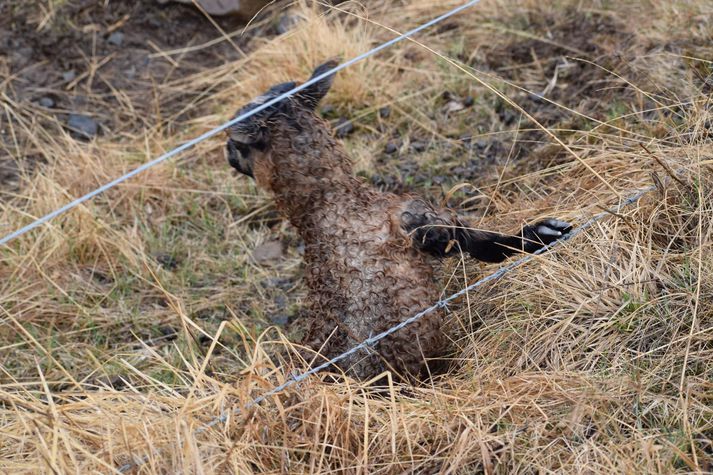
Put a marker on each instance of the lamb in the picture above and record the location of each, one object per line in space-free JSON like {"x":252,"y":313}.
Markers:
{"x":369,"y":255}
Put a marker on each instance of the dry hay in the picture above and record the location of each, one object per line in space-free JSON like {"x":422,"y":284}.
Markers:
{"x":132,"y":321}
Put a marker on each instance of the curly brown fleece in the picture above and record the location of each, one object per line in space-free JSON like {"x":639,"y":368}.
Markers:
{"x":369,"y":255}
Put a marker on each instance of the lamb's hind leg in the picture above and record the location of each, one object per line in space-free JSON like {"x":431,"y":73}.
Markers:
{"x":441,"y":233}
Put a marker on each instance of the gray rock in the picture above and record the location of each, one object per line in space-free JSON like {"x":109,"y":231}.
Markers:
{"x":280,"y":319}
{"x":268,"y":253}
{"x":327,"y":110}
{"x":116,"y":38}
{"x":286,"y":23}
{"x":390,"y":148}
{"x":283,"y":283}
{"x":168,"y":333}
{"x":418,"y":146}
{"x":68,"y":76}
{"x":82,"y":126}
{"x":245,"y":8}
{"x":166,"y":260}
{"x":281,"y":301}
{"x":343,"y":128}
{"x":46,"y":101}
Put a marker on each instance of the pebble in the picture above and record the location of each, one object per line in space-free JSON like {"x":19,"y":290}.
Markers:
{"x":343,"y":128}
{"x":166,"y":260}
{"x":82,"y":126}
{"x":283,"y":283}
{"x":327,"y":110}
{"x":117,"y":382}
{"x":268,"y":253}
{"x":46,"y":102}
{"x":390,"y":148}
{"x":169,"y":333}
{"x":68,"y":76}
{"x":418,"y":146}
{"x":286,"y":23}
{"x":281,"y":301}
{"x":281,"y":319}
{"x":116,"y":38}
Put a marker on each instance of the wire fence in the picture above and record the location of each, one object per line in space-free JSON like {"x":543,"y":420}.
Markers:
{"x":48,"y":217}
{"x":371,"y":341}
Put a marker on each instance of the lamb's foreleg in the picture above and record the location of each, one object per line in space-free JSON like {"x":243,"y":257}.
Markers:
{"x":441,"y":233}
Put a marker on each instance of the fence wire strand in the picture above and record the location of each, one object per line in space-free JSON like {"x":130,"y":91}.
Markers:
{"x":48,"y":217}
{"x":371,"y":341}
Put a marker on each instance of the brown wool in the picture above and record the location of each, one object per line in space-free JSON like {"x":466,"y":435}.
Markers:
{"x":369,"y":255}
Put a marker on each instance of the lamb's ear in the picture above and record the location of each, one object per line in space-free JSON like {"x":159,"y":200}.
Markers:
{"x":310,"y":96}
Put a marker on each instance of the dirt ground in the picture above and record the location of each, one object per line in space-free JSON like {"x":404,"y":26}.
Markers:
{"x":96,"y":58}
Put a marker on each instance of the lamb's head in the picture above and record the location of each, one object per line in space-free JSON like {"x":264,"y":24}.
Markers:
{"x":250,"y":141}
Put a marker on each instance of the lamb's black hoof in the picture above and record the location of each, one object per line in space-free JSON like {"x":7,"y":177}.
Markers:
{"x":544,"y":232}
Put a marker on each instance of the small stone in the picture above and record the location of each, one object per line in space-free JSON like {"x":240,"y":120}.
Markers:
{"x":286,"y":23}
{"x":116,"y":38}
{"x":101,"y":277}
{"x":268,"y":253}
{"x":82,"y":126}
{"x":166,"y":260}
{"x":418,"y":146}
{"x":390,"y":148}
{"x":242,"y":8}
{"x":508,"y":117}
{"x":280,"y":319}
{"x":343,"y":128}
{"x":537,"y":98}
{"x":281,"y":301}
{"x":46,"y":102}
{"x":385,"y":112}
{"x":116,"y":381}
{"x":327,"y":110}
{"x":453,"y":106}
{"x":168,"y":333}
{"x":708,"y":83}
{"x":69,"y":75}
{"x":283,"y":283}
{"x":130,"y":72}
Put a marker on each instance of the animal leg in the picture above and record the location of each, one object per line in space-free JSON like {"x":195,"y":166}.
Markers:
{"x":441,"y":233}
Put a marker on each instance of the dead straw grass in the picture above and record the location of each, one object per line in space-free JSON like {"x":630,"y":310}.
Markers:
{"x":597,"y":358}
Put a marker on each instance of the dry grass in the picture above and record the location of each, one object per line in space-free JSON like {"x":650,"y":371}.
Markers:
{"x":128,"y":323}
